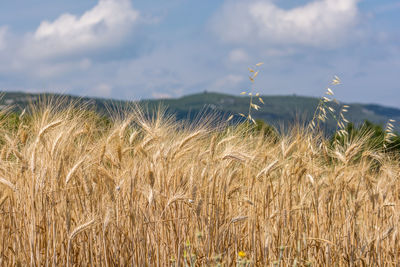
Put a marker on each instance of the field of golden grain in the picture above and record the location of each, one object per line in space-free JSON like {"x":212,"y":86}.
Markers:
{"x":148,"y":191}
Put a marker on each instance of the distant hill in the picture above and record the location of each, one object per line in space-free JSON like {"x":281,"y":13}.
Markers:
{"x":277,"y":110}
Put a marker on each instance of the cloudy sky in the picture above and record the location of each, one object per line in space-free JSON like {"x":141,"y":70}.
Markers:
{"x":135,"y":49}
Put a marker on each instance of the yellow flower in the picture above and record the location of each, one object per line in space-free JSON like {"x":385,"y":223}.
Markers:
{"x":242,"y":254}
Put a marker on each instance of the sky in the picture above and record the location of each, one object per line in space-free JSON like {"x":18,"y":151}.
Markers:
{"x":140,"y":49}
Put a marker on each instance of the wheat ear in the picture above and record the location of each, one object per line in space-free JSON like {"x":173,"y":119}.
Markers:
{"x":76,"y":231}
{"x":72,"y":171}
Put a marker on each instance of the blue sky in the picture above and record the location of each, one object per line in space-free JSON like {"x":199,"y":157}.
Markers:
{"x":150,"y":49}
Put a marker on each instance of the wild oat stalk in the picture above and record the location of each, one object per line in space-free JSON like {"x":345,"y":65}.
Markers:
{"x":324,"y":109}
{"x":252,"y":106}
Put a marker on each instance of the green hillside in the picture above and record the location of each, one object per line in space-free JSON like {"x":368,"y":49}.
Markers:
{"x":277,"y":110}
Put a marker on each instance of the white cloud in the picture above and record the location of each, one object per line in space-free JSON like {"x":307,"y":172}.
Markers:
{"x":67,"y":45}
{"x":238,"y":56}
{"x":105,"y":25}
{"x":101,"y":90}
{"x":3,"y":32}
{"x":54,"y":69}
{"x":228,"y":82}
{"x":317,"y":23}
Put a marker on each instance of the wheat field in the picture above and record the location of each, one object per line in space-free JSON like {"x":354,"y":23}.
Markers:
{"x":150,"y":191}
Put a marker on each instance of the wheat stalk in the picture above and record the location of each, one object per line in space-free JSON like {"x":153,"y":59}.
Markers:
{"x":75,"y":232}
{"x":8,"y":184}
{"x":73,"y":170}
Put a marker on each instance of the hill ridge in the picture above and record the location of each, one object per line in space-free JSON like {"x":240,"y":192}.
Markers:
{"x":278,"y":109}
